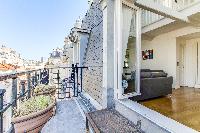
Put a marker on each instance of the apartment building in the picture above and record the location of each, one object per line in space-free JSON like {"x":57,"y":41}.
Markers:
{"x":139,"y":50}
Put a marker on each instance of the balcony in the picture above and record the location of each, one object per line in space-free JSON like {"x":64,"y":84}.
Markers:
{"x":67,"y":111}
{"x":19,"y":87}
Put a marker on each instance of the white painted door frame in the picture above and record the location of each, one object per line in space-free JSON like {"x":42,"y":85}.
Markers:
{"x":182,"y":65}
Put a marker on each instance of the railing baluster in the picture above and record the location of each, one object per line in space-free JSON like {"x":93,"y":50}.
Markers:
{"x":40,"y":75}
{"x":36,"y":80}
{"x":77,"y":91}
{"x":47,"y":76}
{"x":58,"y":83}
{"x":33,"y":81}
{"x":22,"y":90}
{"x":73,"y":79}
{"x":2,"y":92}
{"x":29,"y":85}
{"x":81,"y":79}
{"x":57,"y":77}
{"x":14,"y":93}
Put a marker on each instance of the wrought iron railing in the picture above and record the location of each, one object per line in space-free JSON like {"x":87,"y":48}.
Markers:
{"x":70,"y":84}
{"x":34,"y":77}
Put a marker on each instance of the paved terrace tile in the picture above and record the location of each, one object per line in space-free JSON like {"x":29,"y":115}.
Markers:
{"x":68,"y":119}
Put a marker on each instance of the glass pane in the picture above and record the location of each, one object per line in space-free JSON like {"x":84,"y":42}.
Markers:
{"x":128,"y":75}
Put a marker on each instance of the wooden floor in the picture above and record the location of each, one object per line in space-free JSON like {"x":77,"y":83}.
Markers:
{"x":183,"y":106}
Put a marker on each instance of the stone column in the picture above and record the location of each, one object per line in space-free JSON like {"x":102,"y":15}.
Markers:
{"x":108,"y":53}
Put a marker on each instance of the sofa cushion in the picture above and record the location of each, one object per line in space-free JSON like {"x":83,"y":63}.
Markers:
{"x":150,"y":74}
{"x":146,"y":75}
{"x":158,"y":74}
{"x":156,"y":71}
{"x":145,"y":70}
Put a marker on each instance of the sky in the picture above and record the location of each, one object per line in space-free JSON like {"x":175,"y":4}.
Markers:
{"x":35,"y":27}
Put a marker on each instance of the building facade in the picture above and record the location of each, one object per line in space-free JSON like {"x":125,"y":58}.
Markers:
{"x":118,"y":38}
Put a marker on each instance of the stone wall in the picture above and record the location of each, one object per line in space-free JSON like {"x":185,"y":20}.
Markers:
{"x":93,"y":16}
{"x":92,"y":80}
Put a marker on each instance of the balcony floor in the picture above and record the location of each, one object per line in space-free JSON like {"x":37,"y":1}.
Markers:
{"x":68,"y":119}
{"x":183,"y":106}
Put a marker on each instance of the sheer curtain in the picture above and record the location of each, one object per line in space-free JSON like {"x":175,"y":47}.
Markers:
{"x":127,"y":14}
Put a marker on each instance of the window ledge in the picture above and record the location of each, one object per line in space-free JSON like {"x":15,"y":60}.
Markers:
{"x":162,"y":121}
{"x":128,"y":95}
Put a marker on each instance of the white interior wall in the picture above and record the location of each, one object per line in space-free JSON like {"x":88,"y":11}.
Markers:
{"x":164,"y":55}
{"x":165,"y":52}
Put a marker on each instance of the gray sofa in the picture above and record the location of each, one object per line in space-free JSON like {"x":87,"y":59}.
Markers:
{"x":154,"y":83}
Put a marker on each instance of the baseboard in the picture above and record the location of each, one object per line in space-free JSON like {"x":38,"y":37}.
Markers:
{"x":177,"y":87}
{"x":197,"y":86}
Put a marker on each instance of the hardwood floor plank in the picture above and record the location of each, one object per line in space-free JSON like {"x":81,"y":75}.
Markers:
{"x":183,"y":106}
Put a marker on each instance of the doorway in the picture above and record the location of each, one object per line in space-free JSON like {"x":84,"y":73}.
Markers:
{"x":189,"y":63}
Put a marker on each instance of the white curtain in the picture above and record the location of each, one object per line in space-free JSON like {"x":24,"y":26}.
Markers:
{"x":127,"y":14}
